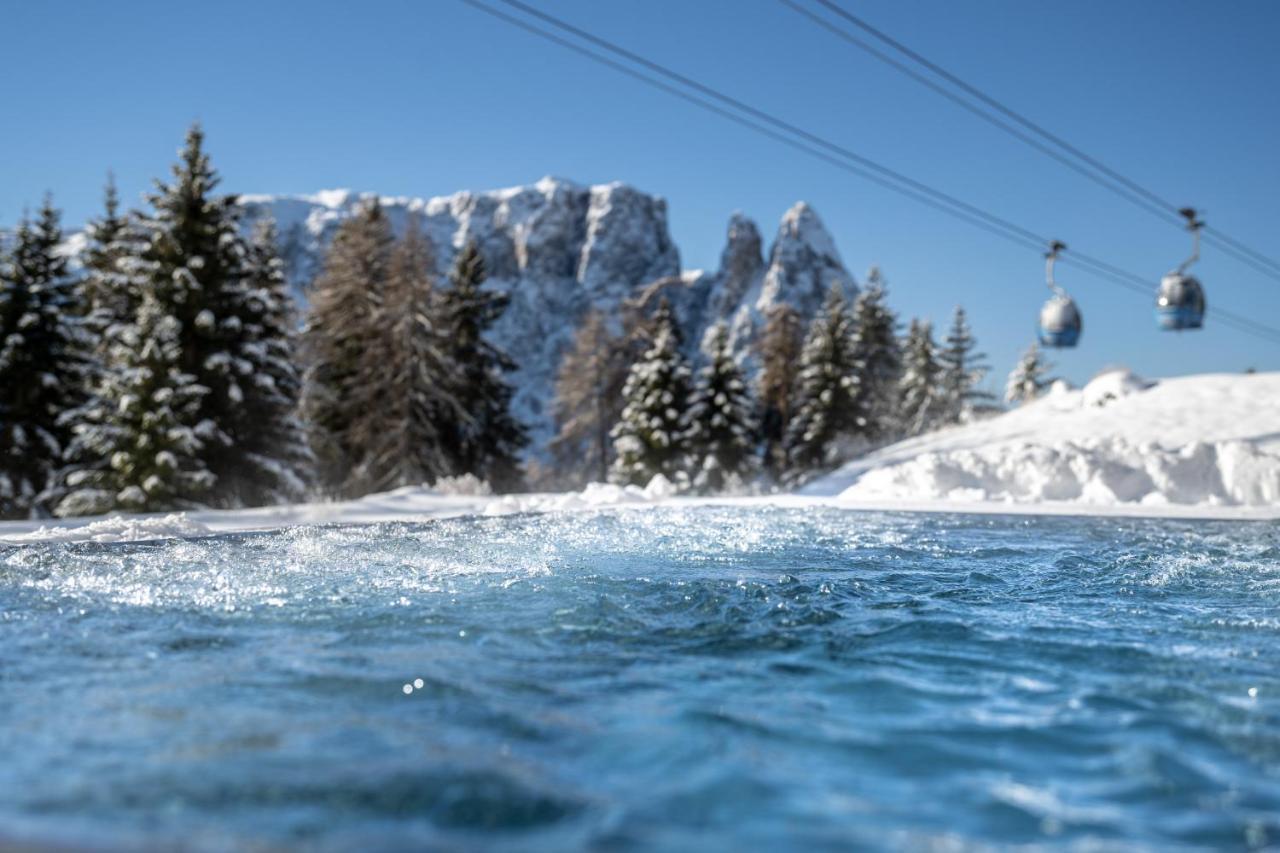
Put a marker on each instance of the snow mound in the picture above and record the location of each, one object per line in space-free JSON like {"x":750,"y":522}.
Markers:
{"x":1098,"y":471}
{"x":121,"y":529}
{"x":468,"y":485}
{"x":594,"y":495}
{"x":1112,"y":385}
{"x":1206,"y":441}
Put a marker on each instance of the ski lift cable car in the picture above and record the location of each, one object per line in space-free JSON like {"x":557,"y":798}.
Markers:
{"x":1180,"y":302}
{"x":1060,"y":321}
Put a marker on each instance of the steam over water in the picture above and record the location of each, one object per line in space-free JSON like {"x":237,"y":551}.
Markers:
{"x":711,"y":678}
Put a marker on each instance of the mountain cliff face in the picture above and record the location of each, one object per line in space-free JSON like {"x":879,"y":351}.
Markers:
{"x":560,"y":249}
{"x":803,"y":264}
{"x":557,"y":248}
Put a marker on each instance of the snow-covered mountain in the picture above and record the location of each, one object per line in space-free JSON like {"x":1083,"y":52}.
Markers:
{"x":560,"y":249}
{"x":803,"y":263}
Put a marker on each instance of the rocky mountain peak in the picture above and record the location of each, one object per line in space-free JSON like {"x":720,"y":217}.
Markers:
{"x":742,"y":255}
{"x":557,"y":247}
{"x":803,"y":263}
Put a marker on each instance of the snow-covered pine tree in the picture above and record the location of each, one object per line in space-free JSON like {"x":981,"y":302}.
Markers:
{"x":105,"y":287}
{"x":922,"y":405}
{"x":877,"y":357}
{"x":962,"y":371}
{"x":720,"y":430}
{"x":343,"y":318}
{"x":779,"y":354}
{"x":265,"y":429}
{"x":826,"y":402}
{"x":194,"y":264}
{"x":405,"y":397}
{"x":42,"y":365}
{"x":487,"y":444}
{"x":649,"y":438}
{"x":588,"y":402}
{"x":1029,"y":377}
{"x":137,"y":442}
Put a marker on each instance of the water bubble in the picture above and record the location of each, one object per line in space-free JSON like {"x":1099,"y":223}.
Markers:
{"x":408,"y":688}
{"x":417,"y":683}
{"x":1253,"y":693}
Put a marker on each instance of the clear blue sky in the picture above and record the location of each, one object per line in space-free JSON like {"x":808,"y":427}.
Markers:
{"x":425,"y":98}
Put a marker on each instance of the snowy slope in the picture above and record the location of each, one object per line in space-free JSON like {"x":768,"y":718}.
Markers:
{"x":1210,"y":440}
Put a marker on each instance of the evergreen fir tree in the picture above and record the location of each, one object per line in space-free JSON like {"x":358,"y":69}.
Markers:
{"x":877,"y":359}
{"x":111,"y":286}
{"x":42,"y":365}
{"x":138,"y":441}
{"x":962,"y":371}
{"x":779,"y":353}
{"x":827,"y":407}
{"x":720,"y":434}
{"x":588,"y":402}
{"x":106,"y":298}
{"x":487,"y":444}
{"x":344,"y":316}
{"x":405,"y":397}
{"x":1029,"y":378}
{"x":193,"y":263}
{"x":265,"y":430}
{"x":922,"y":402}
{"x":650,"y":436}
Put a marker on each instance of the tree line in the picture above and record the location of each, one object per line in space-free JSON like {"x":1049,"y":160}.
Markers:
{"x":170,"y":371}
{"x":629,"y":406}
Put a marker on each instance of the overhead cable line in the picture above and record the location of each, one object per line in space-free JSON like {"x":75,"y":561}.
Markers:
{"x":733,"y":103}
{"x":922,"y":79}
{"x":829,"y":152}
{"x":1074,"y":158}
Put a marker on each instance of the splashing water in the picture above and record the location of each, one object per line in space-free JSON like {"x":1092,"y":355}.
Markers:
{"x":665,"y":678}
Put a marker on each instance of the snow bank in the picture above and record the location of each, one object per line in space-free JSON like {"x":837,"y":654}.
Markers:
{"x":411,"y":503}
{"x":1195,"y":441}
{"x":593,"y":496}
{"x":1111,"y":385}
{"x":1091,"y":471}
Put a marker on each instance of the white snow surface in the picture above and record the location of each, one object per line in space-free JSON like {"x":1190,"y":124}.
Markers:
{"x":406,"y":504}
{"x":411,"y":503}
{"x":1120,"y":442}
{"x":1204,"y":446}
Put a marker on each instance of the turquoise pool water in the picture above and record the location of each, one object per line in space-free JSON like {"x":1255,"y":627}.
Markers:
{"x":712,"y":678}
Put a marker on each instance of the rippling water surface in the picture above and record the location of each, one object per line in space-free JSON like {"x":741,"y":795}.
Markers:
{"x":711,"y":678}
